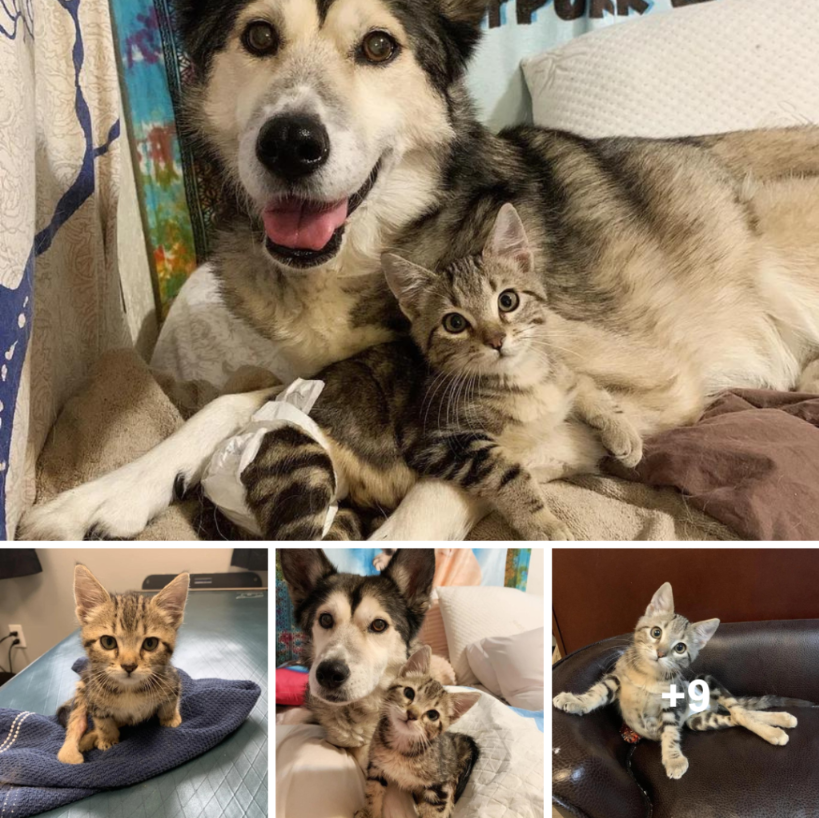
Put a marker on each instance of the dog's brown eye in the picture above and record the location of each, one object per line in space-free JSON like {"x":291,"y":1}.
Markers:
{"x":326,"y":621}
{"x":150,"y":643}
{"x":680,"y":647}
{"x":409,"y":693}
{"x":108,"y":642}
{"x":260,"y":38}
{"x":454,"y":322}
{"x":432,"y":715}
{"x":378,"y":47}
{"x":508,"y":300}
{"x":379,"y":625}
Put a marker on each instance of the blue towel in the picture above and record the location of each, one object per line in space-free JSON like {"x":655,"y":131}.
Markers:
{"x":33,"y":781}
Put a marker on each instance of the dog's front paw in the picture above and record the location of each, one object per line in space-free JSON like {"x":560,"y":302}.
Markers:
{"x":70,"y":755}
{"x":107,"y":743}
{"x":676,"y":767}
{"x":568,"y":703}
{"x":174,"y":721}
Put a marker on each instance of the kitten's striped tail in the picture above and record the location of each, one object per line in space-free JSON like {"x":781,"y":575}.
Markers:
{"x":468,"y":755}
{"x":290,"y":486}
{"x":723,"y":697}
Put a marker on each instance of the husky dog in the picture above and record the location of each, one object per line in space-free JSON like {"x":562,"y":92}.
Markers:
{"x":342,"y":129}
{"x":360,"y":632}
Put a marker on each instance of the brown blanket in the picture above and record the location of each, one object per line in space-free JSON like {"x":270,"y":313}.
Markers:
{"x":752,"y":462}
{"x":126,"y":408}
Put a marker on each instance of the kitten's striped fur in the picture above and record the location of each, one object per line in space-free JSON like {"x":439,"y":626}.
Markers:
{"x":412,"y":745}
{"x":664,"y":645}
{"x":478,"y":407}
{"x":129,"y":639}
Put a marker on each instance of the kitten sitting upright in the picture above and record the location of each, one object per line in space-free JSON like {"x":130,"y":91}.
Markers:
{"x":479,"y":396}
{"x":412,"y":747}
{"x":129,"y":639}
{"x":665,"y":643}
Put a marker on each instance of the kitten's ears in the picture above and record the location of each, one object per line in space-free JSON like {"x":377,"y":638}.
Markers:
{"x":418,"y":662}
{"x":406,"y":280}
{"x":88,"y":593}
{"x":508,"y":239}
{"x":662,"y":602}
{"x":461,"y":702}
{"x":303,"y":569}
{"x":703,"y":631}
{"x":171,"y":599}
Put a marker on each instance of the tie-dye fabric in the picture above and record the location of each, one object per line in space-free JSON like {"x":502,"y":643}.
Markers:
{"x":454,"y":566}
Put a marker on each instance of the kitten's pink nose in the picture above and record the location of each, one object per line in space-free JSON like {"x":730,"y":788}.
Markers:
{"x":129,"y":668}
{"x":495,"y":339}
{"x":412,"y":715}
{"x":660,"y":654}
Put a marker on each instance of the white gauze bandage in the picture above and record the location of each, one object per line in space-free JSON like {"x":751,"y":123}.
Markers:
{"x":222,"y":481}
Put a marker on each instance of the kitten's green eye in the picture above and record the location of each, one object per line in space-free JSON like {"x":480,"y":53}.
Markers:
{"x":378,"y":625}
{"x":108,"y":642}
{"x":151,"y":643}
{"x":656,"y":633}
{"x":326,"y":621}
{"x":679,"y":647}
{"x":409,"y":693}
{"x":508,"y":300}
{"x":432,"y":715}
{"x":454,"y":322}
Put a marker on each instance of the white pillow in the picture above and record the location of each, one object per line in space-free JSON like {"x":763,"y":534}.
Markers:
{"x":511,"y":666}
{"x":472,"y":613}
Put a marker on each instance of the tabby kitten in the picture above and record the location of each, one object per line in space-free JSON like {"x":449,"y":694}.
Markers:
{"x":412,"y":747}
{"x":664,"y":645}
{"x":478,"y":396}
{"x":129,"y":639}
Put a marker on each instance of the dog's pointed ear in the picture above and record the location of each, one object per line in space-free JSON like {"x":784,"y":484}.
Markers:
{"x":464,"y":25}
{"x":172,"y":598}
{"x":407,"y":281}
{"x":508,"y":239}
{"x":88,"y":593}
{"x":461,"y":702}
{"x":662,"y":602}
{"x":412,"y":570}
{"x":418,"y":662}
{"x":303,"y":569}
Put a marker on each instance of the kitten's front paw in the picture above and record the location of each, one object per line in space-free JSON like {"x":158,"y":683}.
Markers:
{"x":568,"y":703}
{"x":106,"y":743}
{"x":676,"y":767}
{"x":624,"y":443}
{"x":70,"y":755}
{"x":174,"y":721}
{"x":362,"y":813}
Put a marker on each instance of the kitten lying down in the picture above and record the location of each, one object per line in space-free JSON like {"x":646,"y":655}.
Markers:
{"x":664,"y":645}
{"x":482,"y":395}
{"x":412,"y":746}
{"x":129,"y":639}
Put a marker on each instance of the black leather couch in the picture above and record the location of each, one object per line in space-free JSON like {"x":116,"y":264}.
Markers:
{"x":733,"y":773}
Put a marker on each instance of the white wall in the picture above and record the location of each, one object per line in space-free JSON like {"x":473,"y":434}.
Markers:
{"x":537,"y":564}
{"x":44,"y":603}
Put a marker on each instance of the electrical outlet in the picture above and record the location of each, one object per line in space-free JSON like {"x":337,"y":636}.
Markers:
{"x":20,"y":635}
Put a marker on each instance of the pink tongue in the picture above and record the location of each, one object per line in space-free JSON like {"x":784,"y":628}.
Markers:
{"x":303,"y":225}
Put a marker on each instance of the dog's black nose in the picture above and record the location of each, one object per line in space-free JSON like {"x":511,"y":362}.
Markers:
{"x":293,"y":145}
{"x":332,"y":674}
{"x":129,"y":668}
